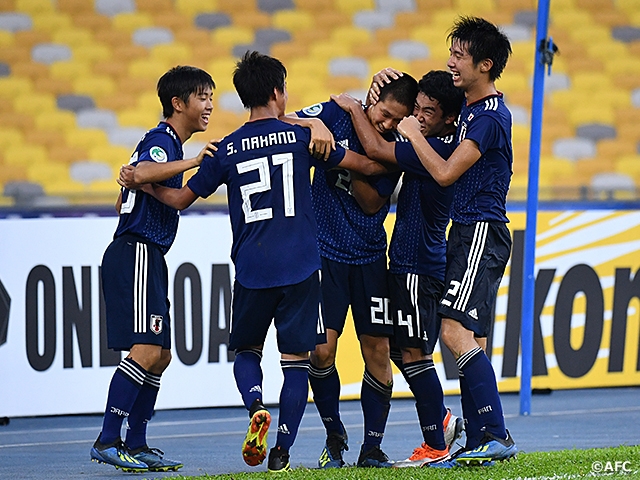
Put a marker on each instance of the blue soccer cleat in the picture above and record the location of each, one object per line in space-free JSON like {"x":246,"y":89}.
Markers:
{"x":116,"y":454}
{"x":373,"y":457}
{"x":154,"y":458}
{"x":491,"y":449}
{"x":336,"y":444}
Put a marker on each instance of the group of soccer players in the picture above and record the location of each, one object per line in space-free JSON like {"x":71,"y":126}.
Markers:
{"x":304,"y":253}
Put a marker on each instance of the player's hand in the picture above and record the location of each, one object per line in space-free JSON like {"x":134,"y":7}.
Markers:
{"x":322,"y":141}
{"x":379,"y":80}
{"x":346,"y":101}
{"x":409,"y":127}
{"x":126,"y":178}
{"x":209,"y":149}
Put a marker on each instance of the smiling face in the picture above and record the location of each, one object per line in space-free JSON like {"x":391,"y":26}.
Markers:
{"x":429,"y":113}
{"x":386,"y":114}
{"x":198,"y":110}
{"x":465,"y":73}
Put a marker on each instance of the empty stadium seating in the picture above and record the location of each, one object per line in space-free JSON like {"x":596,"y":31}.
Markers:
{"x":77,"y":77}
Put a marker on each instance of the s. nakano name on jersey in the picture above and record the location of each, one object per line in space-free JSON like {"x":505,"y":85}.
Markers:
{"x":345,"y":233}
{"x":273,"y":225}
{"x":140,"y":213}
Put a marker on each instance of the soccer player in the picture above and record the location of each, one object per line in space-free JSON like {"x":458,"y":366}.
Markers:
{"x":265,"y":165}
{"x":353,"y":245}
{"x":417,"y":253}
{"x":134,"y":273}
{"x":479,"y":242}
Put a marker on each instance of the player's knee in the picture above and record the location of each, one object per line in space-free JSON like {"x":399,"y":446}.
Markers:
{"x":323,"y":356}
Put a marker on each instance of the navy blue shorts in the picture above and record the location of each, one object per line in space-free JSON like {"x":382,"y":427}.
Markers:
{"x":414,"y":303}
{"x":295,"y":310}
{"x":365,"y":288}
{"x":135,"y":284}
{"x":476,"y":258}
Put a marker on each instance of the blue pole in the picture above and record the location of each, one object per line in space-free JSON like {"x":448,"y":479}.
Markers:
{"x":528,"y":290}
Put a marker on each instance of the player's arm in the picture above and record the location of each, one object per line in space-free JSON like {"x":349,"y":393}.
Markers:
{"x":444,"y":172}
{"x":366,"y":195}
{"x":178,"y":198}
{"x":132,"y":177}
{"x":119,"y":202}
{"x":374,"y":144}
{"x":322,"y":141}
{"x":364,"y":165}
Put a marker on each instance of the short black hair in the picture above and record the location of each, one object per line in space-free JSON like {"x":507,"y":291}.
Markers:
{"x":256,"y":76}
{"x":181,"y":82}
{"x":483,"y":40}
{"x":438,"y":85}
{"x":403,"y":90}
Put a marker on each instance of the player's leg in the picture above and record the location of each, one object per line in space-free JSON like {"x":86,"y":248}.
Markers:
{"x":414,"y":301}
{"x":297,"y":320}
{"x":473,"y":425}
{"x":323,"y":375}
{"x":373,"y":324}
{"x":477,"y":256}
{"x":253,"y":310}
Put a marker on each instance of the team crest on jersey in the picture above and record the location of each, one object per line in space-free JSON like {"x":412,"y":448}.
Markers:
{"x":156,"y":324}
{"x":158,"y":154}
{"x":313,"y":110}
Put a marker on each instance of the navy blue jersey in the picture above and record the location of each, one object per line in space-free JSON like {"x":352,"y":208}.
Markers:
{"x":481,"y":191}
{"x":141,"y":214}
{"x":265,"y":165}
{"x":345,"y":233}
{"x":423,"y":206}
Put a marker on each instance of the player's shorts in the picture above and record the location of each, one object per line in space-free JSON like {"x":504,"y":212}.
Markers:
{"x":295,"y":309}
{"x":135,"y":284}
{"x":414,"y":304}
{"x":476,"y":258}
{"x":365,"y":288}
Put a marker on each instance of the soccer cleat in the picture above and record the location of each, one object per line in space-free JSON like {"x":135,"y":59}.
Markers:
{"x":422,"y":456}
{"x":452,"y":427}
{"x":491,"y":449}
{"x":373,"y":457}
{"x":154,"y":458}
{"x":331,"y":456}
{"x":278,"y":460}
{"x":116,"y":454}
{"x":254,"y":447}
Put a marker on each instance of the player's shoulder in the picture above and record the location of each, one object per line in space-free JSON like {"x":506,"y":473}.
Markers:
{"x":322,"y":109}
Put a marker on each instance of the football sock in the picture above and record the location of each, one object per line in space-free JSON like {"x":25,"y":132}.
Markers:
{"x":472,"y":425}
{"x":481,"y":380}
{"x":142,"y":411}
{"x":124,"y":388}
{"x":427,"y":390}
{"x":248,"y":375}
{"x":375,"y":398}
{"x":325,"y":384}
{"x":293,"y":400}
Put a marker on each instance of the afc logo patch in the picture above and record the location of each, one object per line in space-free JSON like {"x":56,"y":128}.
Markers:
{"x":156,"y":324}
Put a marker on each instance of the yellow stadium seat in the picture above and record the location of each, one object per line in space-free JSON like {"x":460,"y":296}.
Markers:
{"x":34,"y":6}
{"x":569,"y":19}
{"x":63,"y":120}
{"x":67,"y":154}
{"x":378,"y":63}
{"x":92,"y":53}
{"x":86,"y":137}
{"x":594,"y":81}
{"x":35,"y":102}
{"x":512,"y":82}
{"x":25,"y":155}
{"x":552,"y":167}
{"x":350,"y":7}
{"x":306,"y":67}
{"x":173,"y":53}
{"x":221,"y":70}
{"x":10,"y":137}
{"x":191,"y":8}
{"x":351,"y":35}
{"x":129,"y":22}
{"x":137,"y":117}
{"x":148,"y":68}
{"x":251,"y":19}
{"x":11,"y":86}
{"x":74,"y":7}
{"x":475,"y":7}
{"x":591,"y":113}
{"x":292,"y":20}
{"x":112,"y":154}
{"x":6,"y":38}
{"x":231,"y":35}
{"x":628,"y":6}
{"x":608,"y":50}
{"x":562,"y":5}
{"x":70,"y":69}
{"x":92,"y":84}
{"x":521,"y":133}
{"x":73,"y":37}
{"x":324,"y":51}
{"x":435,"y":38}
{"x":613,"y":148}
{"x":51,"y":22}
{"x":629,"y":165}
